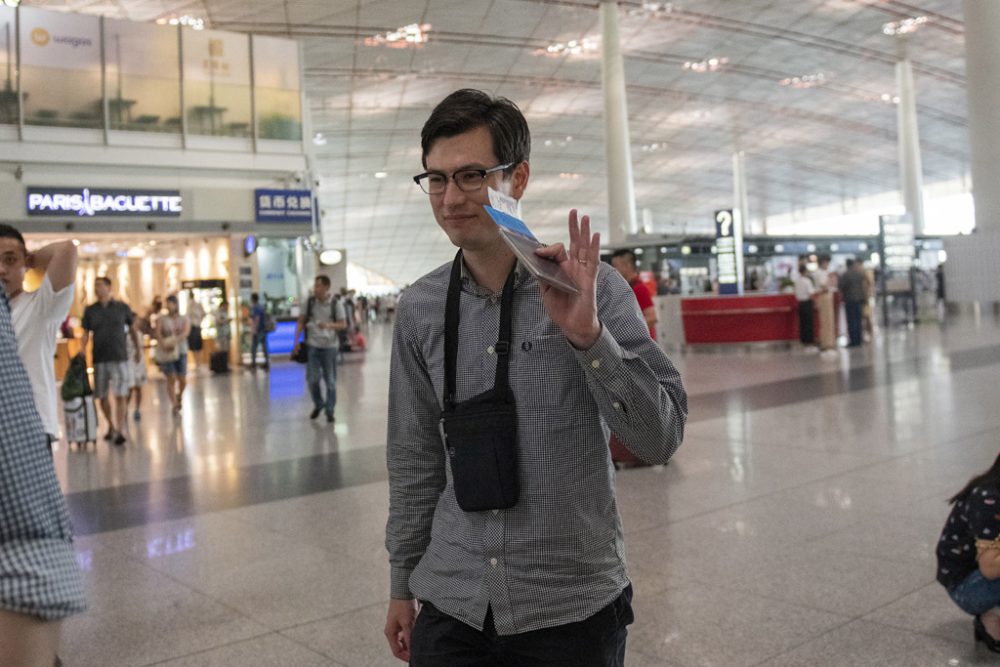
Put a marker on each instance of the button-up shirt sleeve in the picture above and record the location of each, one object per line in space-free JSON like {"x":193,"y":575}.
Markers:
{"x":636,"y":388}
{"x":415,"y":454}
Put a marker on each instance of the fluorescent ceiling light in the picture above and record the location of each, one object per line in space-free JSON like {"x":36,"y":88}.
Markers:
{"x":409,"y":35}
{"x":330,"y":257}
{"x":710,"y":65}
{"x":573,"y":47}
{"x":805,"y":81}
{"x":905,"y":26}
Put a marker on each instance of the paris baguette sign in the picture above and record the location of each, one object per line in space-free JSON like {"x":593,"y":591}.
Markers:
{"x":104,"y":203}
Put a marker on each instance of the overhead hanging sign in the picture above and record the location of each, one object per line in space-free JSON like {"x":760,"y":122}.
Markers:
{"x":105,"y":203}
{"x":283,"y":205}
{"x":729,"y":252}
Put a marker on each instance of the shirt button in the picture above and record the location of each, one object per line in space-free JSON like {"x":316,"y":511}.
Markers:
{"x":493,"y":562}
{"x":596,"y":363}
{"x":489,"y":350}
{"x":617,"y":405}
{"x":493,"y":300}
{"x":495,"y":512}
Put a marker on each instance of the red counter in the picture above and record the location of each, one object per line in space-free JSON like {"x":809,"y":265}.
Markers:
{"x":742,"y":319}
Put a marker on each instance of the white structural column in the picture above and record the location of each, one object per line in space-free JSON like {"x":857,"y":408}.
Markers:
{"x":910,"y":172}
{"x":617,"y":149}
{"x":740,"y":192}
{"x":982,"y":68}
{"x":972,"y":272}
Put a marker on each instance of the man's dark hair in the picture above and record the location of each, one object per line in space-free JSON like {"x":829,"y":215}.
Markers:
{"x":323,"y":279}
{"x":103,"y":279}
{"x":8,"y":232}
{"x":850,"y":263}
{"x":467,"y":109}
{"x":625,"y":252}
{"x":254,"y":298}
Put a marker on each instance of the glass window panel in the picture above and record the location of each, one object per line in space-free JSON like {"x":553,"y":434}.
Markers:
{"x":8,"y":87}
{"x":217,"y":83}
{"x":276,"y":85}
{"x":143,"y":73}
{"x":61,"y":69}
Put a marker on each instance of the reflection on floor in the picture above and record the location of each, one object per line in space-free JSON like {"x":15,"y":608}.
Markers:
{"x":795,"y":526}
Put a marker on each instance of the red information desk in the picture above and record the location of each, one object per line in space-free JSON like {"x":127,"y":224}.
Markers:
{"x":742,"y":319}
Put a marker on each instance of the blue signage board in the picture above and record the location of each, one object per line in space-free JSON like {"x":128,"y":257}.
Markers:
{"x":104,"y":202}
{"x":283,"y":205}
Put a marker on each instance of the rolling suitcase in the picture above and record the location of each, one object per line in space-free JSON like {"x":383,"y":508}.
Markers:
{"x":219,"y":362}
{"x":81,"y":420}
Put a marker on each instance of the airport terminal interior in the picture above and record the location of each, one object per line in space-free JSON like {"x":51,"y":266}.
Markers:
{"x":745,"y":153}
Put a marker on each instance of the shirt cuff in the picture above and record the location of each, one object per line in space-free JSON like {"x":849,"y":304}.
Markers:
{"x":604,"y":358}
{"x":399,"y":583}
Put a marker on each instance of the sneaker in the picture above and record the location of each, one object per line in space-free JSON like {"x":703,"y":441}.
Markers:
{"x":137,"y":415}
{"x":110,"y":435}
{"x":329,"y":419}
{"x":120,"y":439}
{"x":315,"y":413}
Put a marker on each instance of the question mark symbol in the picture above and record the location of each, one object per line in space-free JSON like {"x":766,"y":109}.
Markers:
{"x":725,"y":220}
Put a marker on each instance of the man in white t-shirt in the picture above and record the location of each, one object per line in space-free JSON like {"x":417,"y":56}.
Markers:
{"x":37,"y":315}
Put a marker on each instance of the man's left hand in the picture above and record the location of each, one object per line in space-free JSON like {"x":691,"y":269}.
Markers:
{"x":575,"y":314}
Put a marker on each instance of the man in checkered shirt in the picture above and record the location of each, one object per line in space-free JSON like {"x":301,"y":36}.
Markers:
{"x":40,"y":582}
{"x":545,"y":581}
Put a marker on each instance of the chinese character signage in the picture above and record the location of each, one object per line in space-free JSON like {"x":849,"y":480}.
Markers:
{"x":104,"y":203}
{"x":283,"y":205}
{"x":729,"y":252}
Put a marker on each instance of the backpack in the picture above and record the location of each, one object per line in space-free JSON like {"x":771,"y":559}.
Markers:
{"x":269,"y":324}
{"x":75,"y":383}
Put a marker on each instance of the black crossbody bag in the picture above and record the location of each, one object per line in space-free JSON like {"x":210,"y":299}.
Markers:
{"x":480,"y":434}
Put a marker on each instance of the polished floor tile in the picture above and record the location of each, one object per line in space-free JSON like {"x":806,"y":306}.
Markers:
{"x":795,"y":526}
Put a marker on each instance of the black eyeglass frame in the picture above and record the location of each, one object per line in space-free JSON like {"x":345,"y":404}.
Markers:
{"x":483,"y":173}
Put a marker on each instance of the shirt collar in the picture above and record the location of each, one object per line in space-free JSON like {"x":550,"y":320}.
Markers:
{"x":521,"y":275}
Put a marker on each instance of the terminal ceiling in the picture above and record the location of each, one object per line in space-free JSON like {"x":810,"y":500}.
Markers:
{"x":820,"y":142}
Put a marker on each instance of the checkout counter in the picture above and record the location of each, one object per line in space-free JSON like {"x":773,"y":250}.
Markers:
{"x":750,"y":318}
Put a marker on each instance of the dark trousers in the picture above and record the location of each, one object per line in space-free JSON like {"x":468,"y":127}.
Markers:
{"x":259,"y":339}
{"x":852,"y":309}
{"x":807,"y":330}
{"x":438,"y":640}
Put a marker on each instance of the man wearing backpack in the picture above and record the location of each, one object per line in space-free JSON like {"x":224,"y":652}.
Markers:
{"x":323,"y":319}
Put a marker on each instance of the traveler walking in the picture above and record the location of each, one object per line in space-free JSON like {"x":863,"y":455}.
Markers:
{"x":37,"y":315}
{"x":258,"y":324}
{"x":138,"y":375}
{"x":195,"y":315}
{"x":852,"y":288}
{"x":109,"y":321}
{"x":40,"y":582}
{"x":323,"y":320}
{"x":172,"y":331}
{"x":512,"y":541}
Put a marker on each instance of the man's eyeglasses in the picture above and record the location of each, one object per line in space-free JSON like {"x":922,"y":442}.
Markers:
{"x":467,"y":180}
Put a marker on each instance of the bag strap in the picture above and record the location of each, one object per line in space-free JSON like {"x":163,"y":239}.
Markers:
{"x":452,"y":317}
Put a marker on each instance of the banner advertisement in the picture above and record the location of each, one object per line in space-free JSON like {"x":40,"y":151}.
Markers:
{"x":217,"y":57}
{"x":60,"y":40}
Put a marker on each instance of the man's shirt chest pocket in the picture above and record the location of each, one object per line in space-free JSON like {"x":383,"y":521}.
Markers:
{"x":544,"y":374}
